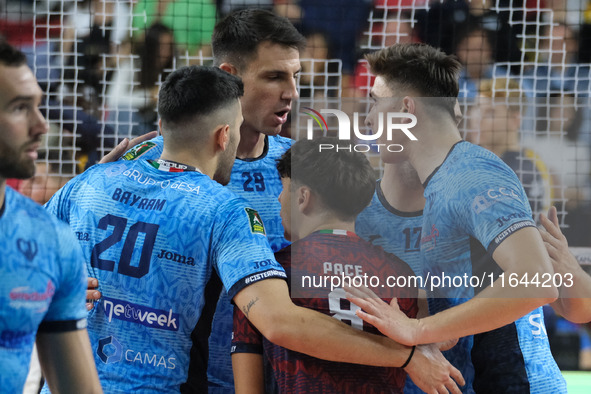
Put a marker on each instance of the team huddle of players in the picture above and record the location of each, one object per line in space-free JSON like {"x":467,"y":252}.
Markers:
{"x":188,"y":237}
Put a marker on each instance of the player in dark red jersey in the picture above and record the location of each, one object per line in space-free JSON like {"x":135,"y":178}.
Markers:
{"x":323,"y":192}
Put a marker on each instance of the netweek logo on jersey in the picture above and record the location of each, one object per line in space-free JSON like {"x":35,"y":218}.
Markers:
{"x":149,"y":317}
{"x":344,"y":127}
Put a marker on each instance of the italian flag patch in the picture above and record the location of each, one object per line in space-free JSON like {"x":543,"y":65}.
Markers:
{"x":255,"y":222}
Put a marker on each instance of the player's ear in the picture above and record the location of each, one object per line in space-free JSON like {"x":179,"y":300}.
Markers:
{"x":304,"y":199}
{"x":229,"y":68}
{"x":408,"y":106}
{"x":222,"y":136}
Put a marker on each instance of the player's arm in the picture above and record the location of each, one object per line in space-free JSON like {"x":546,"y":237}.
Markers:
{"x":125,"y":145}
{"x":268,"y":306}
{"x":248,"y":373}
{"x":247,"y":356}
{"x":63,"y":345}
{"x":67,"y":362}
{"x":423,"y":304}
{"x":574,"y":302}
{"x":521,"y":253}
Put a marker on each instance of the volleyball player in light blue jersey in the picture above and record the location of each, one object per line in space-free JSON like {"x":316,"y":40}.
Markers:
{"x":263,"y":49}
{"x":393,"y":220}
{"x":42,"y":276}
{"x":475,"y":207}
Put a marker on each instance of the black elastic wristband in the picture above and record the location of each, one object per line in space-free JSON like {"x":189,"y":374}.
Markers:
{"x":62,"y":325}
{"x":412,"y":351}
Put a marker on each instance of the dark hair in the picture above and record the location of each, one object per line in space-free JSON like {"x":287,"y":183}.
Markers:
{"x":420,"y":67}
{"x":10,"y":56}
{"x":149,"y":50}
{"x":236,"y":38}
{"x":344,"y":180}
{"x":196,"y":90}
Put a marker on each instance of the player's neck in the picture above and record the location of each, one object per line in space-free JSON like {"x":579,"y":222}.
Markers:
{"x":205,"y":166}
{"x":432,"y":148}
{"x":317,"y":223}
{"x":252,"y":144}
{"x":402,"y":188}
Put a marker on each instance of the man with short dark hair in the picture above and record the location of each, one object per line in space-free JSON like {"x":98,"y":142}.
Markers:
{"x":263,"y":49}
{"x":155,"y":231}
{"x":42,"y":277}
{"x":476,"y":220}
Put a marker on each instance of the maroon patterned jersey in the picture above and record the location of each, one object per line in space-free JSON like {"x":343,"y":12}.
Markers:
{"x":317,"y":266}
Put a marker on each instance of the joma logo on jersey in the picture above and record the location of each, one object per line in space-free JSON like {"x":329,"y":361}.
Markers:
{"x":504,"y":219}
{"x":149,"y":317}
{"x":176,"y":257}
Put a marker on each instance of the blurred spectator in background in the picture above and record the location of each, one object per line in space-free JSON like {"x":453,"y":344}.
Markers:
{"x":29,"y":26}
{"x":191,"y":21}
{"x":319,"y":77}
{"x":397,"y":28}
{"x":497,"y":119}
{"x":570,"y":343}
{"x":475,"y":51}
{"x":133,"y":92}
{"x":342,"y":22}
{"x":93,"y":30}
{"x":562,"y":140}
{"x":445,"y":22}
{"x":76,"y":69}
{"x":556,"y":65}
